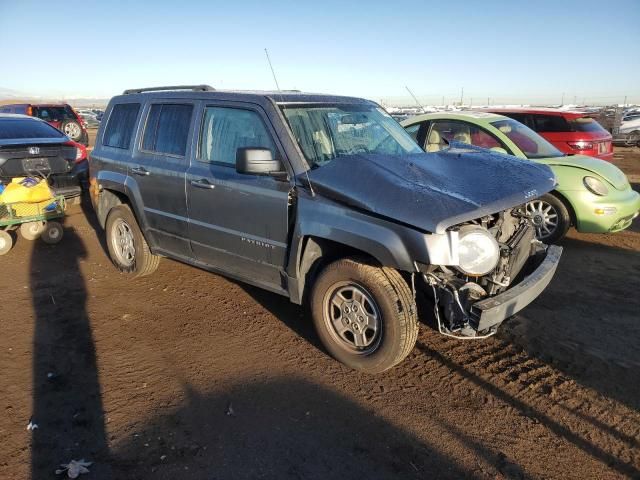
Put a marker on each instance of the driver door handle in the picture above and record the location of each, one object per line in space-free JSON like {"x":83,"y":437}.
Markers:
{"x":202,"y":183}
{"x":140,"y":171}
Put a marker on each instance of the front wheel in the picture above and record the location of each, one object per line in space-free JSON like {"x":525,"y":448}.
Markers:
{"x":127,"y":247}
{"x":365,"y":315}
{"x":550,"y":217}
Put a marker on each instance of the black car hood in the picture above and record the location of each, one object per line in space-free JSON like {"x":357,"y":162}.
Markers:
{"x":433,"y":191}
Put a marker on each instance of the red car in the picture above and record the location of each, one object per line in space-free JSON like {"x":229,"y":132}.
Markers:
{"x":570,"y":132}
{"x":58,"y":115}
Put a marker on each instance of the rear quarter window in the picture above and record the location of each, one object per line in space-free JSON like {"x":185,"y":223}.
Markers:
{"x":586,"y":124}
{"x":550,"y":123}
{"x":120,"y":126}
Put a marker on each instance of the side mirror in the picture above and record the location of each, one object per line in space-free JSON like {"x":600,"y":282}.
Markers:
{"x":257,"y":161}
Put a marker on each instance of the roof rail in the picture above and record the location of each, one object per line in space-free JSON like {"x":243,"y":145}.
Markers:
{"x":194,"y":88}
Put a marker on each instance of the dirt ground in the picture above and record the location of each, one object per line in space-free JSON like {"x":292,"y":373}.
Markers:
{"x":185,"y":374}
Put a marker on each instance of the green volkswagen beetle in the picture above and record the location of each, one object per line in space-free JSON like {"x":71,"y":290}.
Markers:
{"x":593,"y":195}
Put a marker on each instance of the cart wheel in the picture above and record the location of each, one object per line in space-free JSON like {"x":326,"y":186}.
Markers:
{"x":31,"y":230}
{"x":6,"y":242}
{"x":52,"y":233}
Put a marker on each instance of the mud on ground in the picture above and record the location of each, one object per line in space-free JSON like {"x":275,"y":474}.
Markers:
{"x":185,"y":374}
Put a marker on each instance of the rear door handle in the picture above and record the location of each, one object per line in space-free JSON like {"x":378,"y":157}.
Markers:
{"x":140,"y":171}
{"x":202,"y":183}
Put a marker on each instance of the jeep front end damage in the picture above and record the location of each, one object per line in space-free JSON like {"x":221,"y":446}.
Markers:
{"x":500,"y":269}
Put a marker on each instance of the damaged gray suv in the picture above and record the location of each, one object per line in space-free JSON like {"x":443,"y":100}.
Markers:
{"x":325,"y":200}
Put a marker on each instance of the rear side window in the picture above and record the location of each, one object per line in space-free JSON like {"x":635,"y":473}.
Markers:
{"x":122,"y":121}
{"x":167,"y":129}
{"x":54,"y":113}
{"x":225,"y":130}
{"x":26,"y":128}
{"x":550,"y":123}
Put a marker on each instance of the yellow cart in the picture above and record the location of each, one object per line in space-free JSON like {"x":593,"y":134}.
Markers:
{"x":33,"y":220}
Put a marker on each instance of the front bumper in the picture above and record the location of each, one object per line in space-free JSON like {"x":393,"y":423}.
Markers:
{"x":616,"y":211}
{"x":494,"y":310}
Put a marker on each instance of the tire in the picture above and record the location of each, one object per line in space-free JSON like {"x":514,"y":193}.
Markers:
{"x":52,"y":233}
{"x":31,"y":230}
{"x":6,"y":242}
{"x":632,"y":139}
{"x":127,"y":247}
{"x":550,"y":217}
{"x":72,"y":129}
{"x":386,"y":301}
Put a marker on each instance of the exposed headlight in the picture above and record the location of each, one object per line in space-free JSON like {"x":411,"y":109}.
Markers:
{"x":595,"y":186}
{"x":478,"y":251}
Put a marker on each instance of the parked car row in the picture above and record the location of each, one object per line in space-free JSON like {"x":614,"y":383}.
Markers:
{"x":328,"y":201}
{"x":61,"y":116}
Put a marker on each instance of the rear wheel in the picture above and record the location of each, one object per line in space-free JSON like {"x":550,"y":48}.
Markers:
{"x":72,"y":129}
{"x":365,"y":315}
{"x":31,"y":230}
{"x":6,"y":242}
{"x":550,"y":217}
{"x":128,"y":249}
{"x":633,"y":138}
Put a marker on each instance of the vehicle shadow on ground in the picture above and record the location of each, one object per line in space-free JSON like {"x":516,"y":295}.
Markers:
{"x":591,"y":338}
{"x":92,"y":220}
{"x":285,"y":428}
{"x":67,"y":402}
{"x":296,"y":317}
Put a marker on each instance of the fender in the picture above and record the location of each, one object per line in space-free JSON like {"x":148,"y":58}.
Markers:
{"x":320,"y":220}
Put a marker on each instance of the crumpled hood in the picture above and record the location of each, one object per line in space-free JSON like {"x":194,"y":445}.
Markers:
{"x":606,"y":170}
{"x":433,"y":191}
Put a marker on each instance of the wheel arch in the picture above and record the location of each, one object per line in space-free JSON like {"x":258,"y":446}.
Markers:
{"x":567,"y":203}
{"x":316,"y":252}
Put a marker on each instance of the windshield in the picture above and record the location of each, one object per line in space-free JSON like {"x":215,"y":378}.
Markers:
{"x":531,"y":144}
{"x":327,"y":132}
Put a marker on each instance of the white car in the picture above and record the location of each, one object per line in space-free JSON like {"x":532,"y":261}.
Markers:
{"x":629,"y":132}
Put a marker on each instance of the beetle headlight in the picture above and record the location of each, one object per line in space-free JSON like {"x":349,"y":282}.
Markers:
{"x":595,"y":186}
{"x":478,"y":251}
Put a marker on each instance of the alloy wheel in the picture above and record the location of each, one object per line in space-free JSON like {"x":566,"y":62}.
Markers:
{"x":122,"y":243}
{"x":544,"y":217}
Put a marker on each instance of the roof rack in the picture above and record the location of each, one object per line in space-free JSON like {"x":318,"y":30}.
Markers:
{"x":193,"y":88}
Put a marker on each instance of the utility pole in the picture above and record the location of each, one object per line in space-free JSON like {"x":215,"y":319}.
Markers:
{"x":443,"y":100}
{"x":625,"y":100}
{"x":461,"y":95}
{"x":488,"y":101}
{"x":271,"y":67}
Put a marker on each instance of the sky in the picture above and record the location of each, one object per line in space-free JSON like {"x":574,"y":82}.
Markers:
{"x":510,"y":51}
